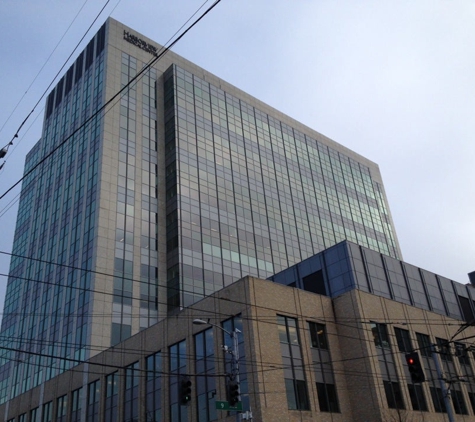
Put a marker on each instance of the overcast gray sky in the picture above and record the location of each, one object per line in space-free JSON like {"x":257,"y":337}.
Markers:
{"x":392,"y":80}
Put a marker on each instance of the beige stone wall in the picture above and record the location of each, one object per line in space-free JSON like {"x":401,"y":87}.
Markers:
{"x":353,"y":353}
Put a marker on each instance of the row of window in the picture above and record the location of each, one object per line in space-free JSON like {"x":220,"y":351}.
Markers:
{"x":121,"y":390}
{"x":69,"y":406}
{"x":417,"y":393}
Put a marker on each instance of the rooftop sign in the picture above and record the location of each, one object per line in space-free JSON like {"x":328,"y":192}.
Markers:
{"x":133,"y":39}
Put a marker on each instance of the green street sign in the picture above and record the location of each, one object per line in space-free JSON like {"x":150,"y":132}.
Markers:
{"x":224,"y":405}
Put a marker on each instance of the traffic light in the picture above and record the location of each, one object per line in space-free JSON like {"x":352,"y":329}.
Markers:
{"x":415,"y":367}
{"x":233,"y":393}
{"x":185,"y":390}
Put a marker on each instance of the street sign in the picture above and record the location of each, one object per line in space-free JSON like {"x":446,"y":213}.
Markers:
{"x":224,"y":405}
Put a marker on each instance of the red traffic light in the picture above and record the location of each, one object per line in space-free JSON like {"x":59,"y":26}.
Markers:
{"x":415,"y":367}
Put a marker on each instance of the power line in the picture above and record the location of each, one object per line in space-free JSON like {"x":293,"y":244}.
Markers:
{"x":57,"y":74}
{"x":156,"y":301}
{"x":42,"y":67}
{"x":271,"y":321}
{"x":115,"y":97}
{"x":272,"y":365}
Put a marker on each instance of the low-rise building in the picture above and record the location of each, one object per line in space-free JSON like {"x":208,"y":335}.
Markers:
{"x":301,"y":355}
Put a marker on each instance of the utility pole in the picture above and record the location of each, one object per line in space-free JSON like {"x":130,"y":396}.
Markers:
{"x":445,"y":390}
{"x":234,"y":375}
{"x":235,"y":369}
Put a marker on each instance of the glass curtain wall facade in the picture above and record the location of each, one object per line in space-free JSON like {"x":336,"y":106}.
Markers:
{"x":248,"y":194}
{"x":47,"y":306}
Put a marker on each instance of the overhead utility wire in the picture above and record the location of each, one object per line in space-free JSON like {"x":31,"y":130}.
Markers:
{"x":111,"y":100}
{"x":7,"y":207}
{"x":143,"y":352}
{"x":4,"y":150}
{"x":341,"y":321}
{"x":323,"y":319}
{"x":15,"y":147}
{"x":265,"y":366}
{"x":38,"y":342}
{"x":273,"y":365}
{"x":42,"y":67}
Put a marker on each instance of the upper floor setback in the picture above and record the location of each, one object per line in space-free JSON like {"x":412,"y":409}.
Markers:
{"x":347,"y":266}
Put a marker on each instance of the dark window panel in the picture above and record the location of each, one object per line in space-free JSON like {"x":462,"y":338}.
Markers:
{"x":327,"y":398}
{"x":315,"y":283}
{"x":59,"y":92}
{"x":393,"y":395}
{"x":101,"y":39}
{"x":416,"y":393}
{"x":380,"y":335}
{"x":466,"y":309}
{"x":318,"y":335}
{"x":50,"y":103}
{"x":403,"y":340}
{"x":78,"y":67}
{"x":438,"y":399}
{"x":424,"y":345}
{"x":69,"y":80}
{"x":89,"y":54}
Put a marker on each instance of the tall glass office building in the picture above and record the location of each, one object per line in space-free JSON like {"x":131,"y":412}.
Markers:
{"x":136,"y":206}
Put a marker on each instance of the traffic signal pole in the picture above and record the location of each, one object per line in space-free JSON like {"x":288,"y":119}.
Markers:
{"x":235,"y":369}
{"x":443,"y":386}
{"x":234,"y":375}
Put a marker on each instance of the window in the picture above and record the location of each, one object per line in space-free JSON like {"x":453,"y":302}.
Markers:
{"x":423,"y":341}
{"x":403,"y":340}
{"x":380,"y":335}
{"x":34,"y":415}
{"x":327,"y":397}
{"x":47,"y":412}
{"x":62,"y":408}
{"x":205,"y":384}
{"x":111,"y":399}
{"x":297,"y":397}
{"x":444,"y":349}
{"x":437,"y":399}
{"x":318,"y":335}
{"x":471,"y":397}
{"x":417,"y":397}
{"x":393,"y":395}
{"x":154,"y":387}
{"x":466,"y":371}
{"x":459,"y":403}
{"x":321,"y":360}
{"x":178,"y":365}
{"x":387,"y":366}
{"x":295,"y":385}
{"x":462,"y":354}
{"x":76,"y":399}
{"x":93,"y":395}
{"x":315,"y":283}
{"x":466,"y":309}
{"x":131,"y":392}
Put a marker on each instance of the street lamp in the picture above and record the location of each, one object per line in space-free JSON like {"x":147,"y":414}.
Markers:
{"x":234,"y":375}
